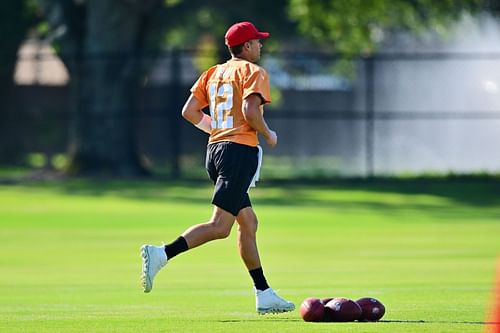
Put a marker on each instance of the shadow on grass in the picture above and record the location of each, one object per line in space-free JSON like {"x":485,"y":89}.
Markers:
{"x":257,"y":320}
{"x":366,"y":322}
{"x":350,"y":194}
{"x":439,"y":322}
{"x":470,"y":190}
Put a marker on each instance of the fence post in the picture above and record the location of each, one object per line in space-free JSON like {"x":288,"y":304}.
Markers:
{"x":175,"y":110}
{"x":369,"y":116}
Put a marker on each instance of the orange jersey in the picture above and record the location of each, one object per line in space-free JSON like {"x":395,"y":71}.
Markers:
{"x":223,"y":88}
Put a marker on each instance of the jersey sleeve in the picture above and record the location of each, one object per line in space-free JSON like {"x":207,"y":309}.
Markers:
{"x":258,"y":83}
{"x":199,"y":89}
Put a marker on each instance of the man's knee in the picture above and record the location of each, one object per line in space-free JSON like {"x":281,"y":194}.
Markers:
{"x":247,"y":229}
{"x":220,"y":230}
{"x":247,"y":221}
{"x":222,"y":223}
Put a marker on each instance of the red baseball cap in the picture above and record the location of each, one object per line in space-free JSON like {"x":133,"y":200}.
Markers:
{"x":242,"y":32}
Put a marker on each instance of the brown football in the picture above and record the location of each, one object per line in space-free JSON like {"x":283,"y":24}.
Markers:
{"x":312,"y":309}
{"x":342,"y":309}
{"x":371,"y":309}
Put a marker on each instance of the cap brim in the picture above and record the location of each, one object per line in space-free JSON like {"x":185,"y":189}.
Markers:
{"x":262,"y":35}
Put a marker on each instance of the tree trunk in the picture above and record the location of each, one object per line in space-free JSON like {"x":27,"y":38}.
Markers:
{"x":103,"y":139}
{"x":14,"y":22}
{"x":9,"y":154}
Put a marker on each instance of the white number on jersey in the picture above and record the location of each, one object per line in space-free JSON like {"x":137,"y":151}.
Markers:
{"x":217,"y":110}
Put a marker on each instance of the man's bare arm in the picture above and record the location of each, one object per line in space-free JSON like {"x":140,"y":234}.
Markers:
{"x":192,"y":113}
{"x":253,"y":116}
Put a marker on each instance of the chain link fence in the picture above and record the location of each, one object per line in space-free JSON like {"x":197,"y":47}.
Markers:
{"x":395,"y":114}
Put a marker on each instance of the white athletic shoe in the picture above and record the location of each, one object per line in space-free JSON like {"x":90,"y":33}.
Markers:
{"x":267,"y":301}
{"x":153,"y":259}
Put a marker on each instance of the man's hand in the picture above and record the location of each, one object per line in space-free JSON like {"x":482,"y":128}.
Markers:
{"x":271,"y":138}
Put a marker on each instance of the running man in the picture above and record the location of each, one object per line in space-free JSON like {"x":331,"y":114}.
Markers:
{"x":235,"y":93}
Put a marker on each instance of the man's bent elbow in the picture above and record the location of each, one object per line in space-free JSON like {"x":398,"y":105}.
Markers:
{"x":190,"y":114}
{"x":191,"y":111}
{"x":251,"y":115}
{"x":184,"y":113}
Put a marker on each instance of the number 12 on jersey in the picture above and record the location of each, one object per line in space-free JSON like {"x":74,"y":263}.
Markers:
{"x":217,"y":110}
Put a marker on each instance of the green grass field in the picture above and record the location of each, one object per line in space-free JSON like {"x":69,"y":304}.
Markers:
{"x":69,"y":256}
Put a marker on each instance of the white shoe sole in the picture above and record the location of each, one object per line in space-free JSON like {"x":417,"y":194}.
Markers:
{"x":274,"y":310}
{"x":147,"y":284}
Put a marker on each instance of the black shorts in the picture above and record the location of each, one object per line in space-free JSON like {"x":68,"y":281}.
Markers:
{"x":231,"y":166}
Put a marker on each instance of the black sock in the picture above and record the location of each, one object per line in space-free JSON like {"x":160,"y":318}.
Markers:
{"x":178,"y":246}
{"x":258,"y":278}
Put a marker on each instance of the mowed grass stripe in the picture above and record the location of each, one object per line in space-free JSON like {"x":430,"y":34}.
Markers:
{"x":70,"y":260}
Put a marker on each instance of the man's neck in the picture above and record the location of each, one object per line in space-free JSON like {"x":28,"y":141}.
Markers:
{"x":239,"y":58}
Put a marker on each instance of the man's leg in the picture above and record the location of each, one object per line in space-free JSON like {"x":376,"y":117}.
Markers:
{"x":267,"y":301}
{"x":247,"y":242}
{"x":155,"y":257}
{"x":218,"y":227}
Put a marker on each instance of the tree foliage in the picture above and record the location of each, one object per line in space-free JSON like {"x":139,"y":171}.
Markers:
{"x":188,"y":20}
{"x":359,"y":26}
